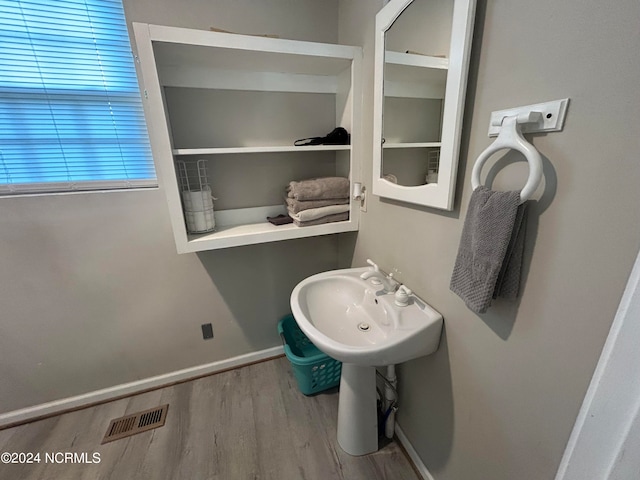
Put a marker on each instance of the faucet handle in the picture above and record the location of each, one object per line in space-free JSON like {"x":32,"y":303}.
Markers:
{"x":402,"y":296}
{"x":405,"y":289}
{"x":373,"y":264}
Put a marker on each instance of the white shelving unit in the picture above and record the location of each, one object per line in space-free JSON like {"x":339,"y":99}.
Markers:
{"x":240,"y":102}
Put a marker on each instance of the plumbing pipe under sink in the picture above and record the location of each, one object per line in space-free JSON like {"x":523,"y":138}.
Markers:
{"x":390,"y":400}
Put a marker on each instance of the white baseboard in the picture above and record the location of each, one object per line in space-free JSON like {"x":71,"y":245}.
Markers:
{"x":413,"y":455}
{"x":51,"y":408}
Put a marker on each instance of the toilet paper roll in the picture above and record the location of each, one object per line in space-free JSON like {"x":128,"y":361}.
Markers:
{"x":197,"y":201}
{"x":198,"y":210}
{"x":198,"y":222}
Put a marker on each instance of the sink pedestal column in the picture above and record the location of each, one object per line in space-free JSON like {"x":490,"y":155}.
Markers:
{"x":357,"y":410}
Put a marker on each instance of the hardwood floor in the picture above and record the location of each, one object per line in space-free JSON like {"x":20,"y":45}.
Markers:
{"x":249,"y":423}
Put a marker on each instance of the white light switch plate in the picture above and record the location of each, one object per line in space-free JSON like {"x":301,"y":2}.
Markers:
{"x":553,"y":114}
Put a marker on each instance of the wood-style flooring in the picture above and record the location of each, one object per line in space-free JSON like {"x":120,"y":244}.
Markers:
{"x":248,"y":423}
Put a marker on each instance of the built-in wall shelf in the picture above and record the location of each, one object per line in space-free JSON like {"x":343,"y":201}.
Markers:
{"x":271,"y":149}
{"x":412,"y":145}
{"x":247,"y":226}
{"x":237,"y":95}
{"x":253,"y":233}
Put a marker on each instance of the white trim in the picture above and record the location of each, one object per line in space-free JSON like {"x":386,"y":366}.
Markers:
{"x":413,"y":455}
{"x":30,"y":413}
{"x":441,"y":194}
{"x":77,"y":192}
{"x":53,"y":188}
{"x":190,"y":36}
{"x":602,"y":441}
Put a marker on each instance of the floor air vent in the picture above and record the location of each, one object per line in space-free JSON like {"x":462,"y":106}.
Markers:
{"x":136,"y":423}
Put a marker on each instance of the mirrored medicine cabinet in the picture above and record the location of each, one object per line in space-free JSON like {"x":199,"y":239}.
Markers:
{"x":422,"y":52}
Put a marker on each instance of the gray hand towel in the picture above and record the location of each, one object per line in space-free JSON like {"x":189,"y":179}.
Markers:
{"x":319,"y":188}
{"x":297,"y":206}
{"x":490,"y":252}
{"x":508,"y":283}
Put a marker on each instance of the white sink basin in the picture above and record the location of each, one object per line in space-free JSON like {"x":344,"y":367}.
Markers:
{"x":355,"y":322}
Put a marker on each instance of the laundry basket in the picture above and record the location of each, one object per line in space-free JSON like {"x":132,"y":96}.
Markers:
{"x":314,"y":371}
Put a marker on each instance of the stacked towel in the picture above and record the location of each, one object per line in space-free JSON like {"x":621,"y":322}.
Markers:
{"x":318,"y":200}
{"x":319,"y":189}
{"x":490,"y":254}
{"x":296,"y":206}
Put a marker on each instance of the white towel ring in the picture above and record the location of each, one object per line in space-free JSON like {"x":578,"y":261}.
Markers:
{"x":511,"y":138}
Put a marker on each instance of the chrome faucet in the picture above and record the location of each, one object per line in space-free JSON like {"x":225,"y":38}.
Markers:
{"x":388,"y":282}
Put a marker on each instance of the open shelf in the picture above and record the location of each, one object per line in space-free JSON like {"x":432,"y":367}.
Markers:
{"x":263,"y":232}
{"x":247,"y":226}
{"x":272,"y":149}
{"x":222,"y":95}
{"x":412,"y":145}
{"x":182,"y":47}
{"x":201,"y":59}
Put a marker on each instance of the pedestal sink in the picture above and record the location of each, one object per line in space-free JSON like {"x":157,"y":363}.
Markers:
{"x":359,"y":324}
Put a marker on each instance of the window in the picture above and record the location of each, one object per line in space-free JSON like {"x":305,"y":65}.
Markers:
{"x":71,"y":117}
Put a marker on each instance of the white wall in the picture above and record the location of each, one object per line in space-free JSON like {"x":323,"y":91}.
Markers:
{"x":93,"y":293}
{"x":499,"y":398}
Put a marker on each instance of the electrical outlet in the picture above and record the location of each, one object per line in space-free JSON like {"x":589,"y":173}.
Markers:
{"x":207,"y":331}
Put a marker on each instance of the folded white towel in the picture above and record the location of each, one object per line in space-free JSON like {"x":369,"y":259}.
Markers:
{"x":315,"y":213}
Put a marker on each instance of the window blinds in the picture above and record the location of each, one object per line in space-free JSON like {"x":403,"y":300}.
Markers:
{"x":71,"y":117}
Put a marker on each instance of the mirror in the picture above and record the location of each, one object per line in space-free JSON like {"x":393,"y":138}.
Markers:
{"x":421,"y":60}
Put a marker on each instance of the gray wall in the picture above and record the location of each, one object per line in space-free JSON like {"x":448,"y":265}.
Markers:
{"x":93,"y":293}
{"x":499,"y":398}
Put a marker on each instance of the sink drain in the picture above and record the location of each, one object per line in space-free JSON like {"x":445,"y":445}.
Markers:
{"x":364,"y":327}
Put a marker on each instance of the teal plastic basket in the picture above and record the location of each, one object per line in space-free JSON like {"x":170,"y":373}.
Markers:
{"x":314,"y":371}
